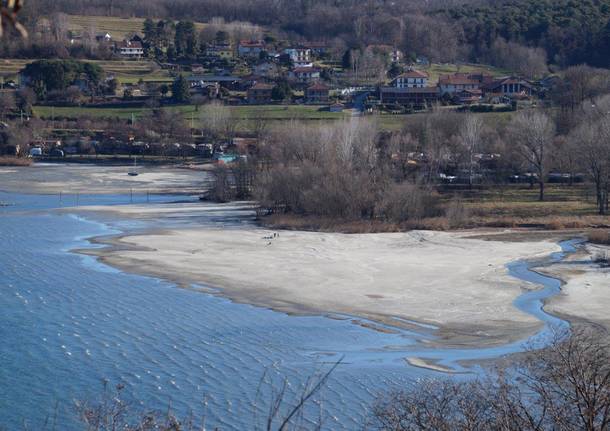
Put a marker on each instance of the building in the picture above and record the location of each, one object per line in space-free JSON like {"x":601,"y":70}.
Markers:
{"x":222,"y":50}
{"x":469,"y":97}
{"x":260,"y":93}
{"x":202,"y":81}
{"x":299,"y":55}
{"x":509,"y":86}
{"x":411,"y":79}
{"x":416,"y":97}
{"x":317,"y":94}
{"x":250,"y":48}
{"x":129,"y":49}
{"x":103,"y":37}
{"x":305,"y":74}
{"x":459,"y":82}
{"x":318,"y":48}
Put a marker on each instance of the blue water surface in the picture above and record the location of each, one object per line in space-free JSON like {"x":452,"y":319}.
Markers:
{"x":68,"y":323}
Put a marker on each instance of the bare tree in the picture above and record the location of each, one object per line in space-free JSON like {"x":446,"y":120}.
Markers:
{"x":533,"y":132}
{"x":563,"y":387}
{"x":470,"y":137}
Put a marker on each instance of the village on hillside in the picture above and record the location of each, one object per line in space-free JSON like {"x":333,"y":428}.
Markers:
{"x":181,"y":65}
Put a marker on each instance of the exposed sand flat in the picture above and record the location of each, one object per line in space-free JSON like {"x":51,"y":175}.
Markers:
{"x":586,"y":293}
{"x":446,"y":279}
{"x":73,"y":178}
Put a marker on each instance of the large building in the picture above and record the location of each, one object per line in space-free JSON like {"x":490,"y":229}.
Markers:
{"x":411,"y":79}
{"x":260,"y":93}
{"x":299,"y":55}
{"x":317,"y":94}
{"x":510,"y":86}
{"x":129,"y":49}
{"x":458,"y":82}
{"x":250,"y":48}
{"x":416,"y":97}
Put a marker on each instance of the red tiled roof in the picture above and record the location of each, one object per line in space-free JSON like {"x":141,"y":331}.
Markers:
{"x":457,"y":79}
{"x":252,"y":43}
{"x":129,"y":44}
{"x":414,"y":74}
{"x":318,"y":87}
{"x":305,"y":69}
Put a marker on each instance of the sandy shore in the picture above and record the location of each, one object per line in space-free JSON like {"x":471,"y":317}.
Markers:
{"x":455,"y":281}
{"x":585,"y":295}
{"x":95,"y":179}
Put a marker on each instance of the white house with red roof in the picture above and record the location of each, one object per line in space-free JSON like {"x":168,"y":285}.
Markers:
{"x":250,"y":48}
{"x":411,"y":79}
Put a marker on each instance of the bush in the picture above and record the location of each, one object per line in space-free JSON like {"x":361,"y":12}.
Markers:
{"x":600,"y":236}
{"x":406,"y":202}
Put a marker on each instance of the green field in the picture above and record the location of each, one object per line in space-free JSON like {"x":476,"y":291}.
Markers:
{"x":126,"y":71}
{"x":246,"y":115}
{"x":436,"y":70}
{"x":119,"y":28}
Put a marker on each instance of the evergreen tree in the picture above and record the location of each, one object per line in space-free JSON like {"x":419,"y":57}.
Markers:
{"x":181,"y":91}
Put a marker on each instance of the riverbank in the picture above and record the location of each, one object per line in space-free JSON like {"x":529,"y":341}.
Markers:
{"x":43,"y":178}
{"x":456,"y":281}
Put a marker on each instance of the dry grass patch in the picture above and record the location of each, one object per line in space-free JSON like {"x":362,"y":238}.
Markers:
{"x":15,"y":161}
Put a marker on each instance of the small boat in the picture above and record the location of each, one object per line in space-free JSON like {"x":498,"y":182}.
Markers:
{"x":133,"y":172}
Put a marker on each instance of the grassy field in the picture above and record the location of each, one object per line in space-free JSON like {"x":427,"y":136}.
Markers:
{"x":126,"y":71}
{"x":247,"y":115}
{"x":119,"y":28}
{"x":435,"y":70}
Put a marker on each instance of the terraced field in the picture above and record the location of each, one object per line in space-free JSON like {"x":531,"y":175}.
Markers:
{"x":124,"y":70}
{"x":119,"y":28}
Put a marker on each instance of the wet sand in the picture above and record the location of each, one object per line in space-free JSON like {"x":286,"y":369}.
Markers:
{"x":453,"y":280}
{"x":95,"y":179}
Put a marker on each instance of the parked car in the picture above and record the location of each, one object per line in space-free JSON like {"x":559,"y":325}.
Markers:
{"x":36,"y":152}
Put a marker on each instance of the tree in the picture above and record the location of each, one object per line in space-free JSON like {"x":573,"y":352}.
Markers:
{"x":533,"y":132}
{"x":7,"y":104}
{"x":181,"y":90}
{"x":217,"y":120}
{"x":470,"y":137}
{"x":592,"y":138}
{"x":26,"y":97}
{"x":565,"y":386}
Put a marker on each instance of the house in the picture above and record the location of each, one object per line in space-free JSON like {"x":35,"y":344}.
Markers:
{"x":298,"y":55}
{"x":468,"y":97}
{"x":459,"y":82}
{"x":411,"y":79}
{"x":318,"y":48}
{"x":202,"y":81}
{"x":129,"y":49}
{"x":395,"y":56}
{"x":417,"y":97}
{"x":103,"y":37}
{"x":250,"y":48}
{"x":510,"y":86}
{"x":305,"y":74}
{"x":317,"y":94}
{"x":222,"y":50}
{"x":260,"y":93}
{"x":267,"y":68}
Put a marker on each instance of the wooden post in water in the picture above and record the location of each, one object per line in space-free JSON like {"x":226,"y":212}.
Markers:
{"x":131,"y":195}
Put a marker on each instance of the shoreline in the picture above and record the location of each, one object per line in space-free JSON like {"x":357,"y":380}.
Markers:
{"x":479,"y":334}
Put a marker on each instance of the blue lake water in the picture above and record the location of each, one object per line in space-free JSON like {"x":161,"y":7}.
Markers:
{"x":67,"y":323}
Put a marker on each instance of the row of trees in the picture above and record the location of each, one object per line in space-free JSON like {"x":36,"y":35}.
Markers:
{"x":350,"y":170}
